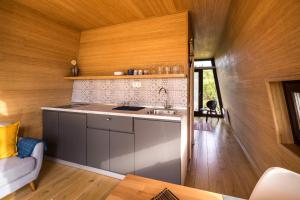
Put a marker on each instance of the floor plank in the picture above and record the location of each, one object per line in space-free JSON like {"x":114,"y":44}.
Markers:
{"x":100,"y":189}
{"x":58,"y":181}
{"x":219,"y":164}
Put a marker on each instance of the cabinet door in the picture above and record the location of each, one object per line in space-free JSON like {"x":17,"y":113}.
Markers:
{"x":51,"y":133}
{"x":157,"y":150}
{"x":98,"y":148}
{"x":72,"y":132}
{"x":121,"y":152}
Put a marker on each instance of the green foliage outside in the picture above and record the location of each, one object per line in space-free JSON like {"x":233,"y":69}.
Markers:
{"x":209,"y":88}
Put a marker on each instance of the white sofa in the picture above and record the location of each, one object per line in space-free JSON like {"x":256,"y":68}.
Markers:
{"x":16,"y":172}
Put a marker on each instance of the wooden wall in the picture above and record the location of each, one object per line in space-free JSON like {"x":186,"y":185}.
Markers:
{"x":34,"y":57}
{"x":140,"y":44}
{"x":261,"y":40}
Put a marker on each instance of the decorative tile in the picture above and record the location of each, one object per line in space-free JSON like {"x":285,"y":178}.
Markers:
{"x":77,"y":85}
{"x":76,"y":96}
{"x":122,"y":90}
{"x":100,"y":84}
{"x":100,"y":96}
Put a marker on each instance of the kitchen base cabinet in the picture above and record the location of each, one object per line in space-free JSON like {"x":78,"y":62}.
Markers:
{"x":121,"y":152}
{"x":98,"y":148}
{"x":72,"y":133}
{"x":157,"y":150}
{"x":51,"y":133}
{"x":124,"y":145}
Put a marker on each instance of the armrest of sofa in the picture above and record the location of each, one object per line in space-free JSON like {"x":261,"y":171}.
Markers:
{"x":38,"y":154}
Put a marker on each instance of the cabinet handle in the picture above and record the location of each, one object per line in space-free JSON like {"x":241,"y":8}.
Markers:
{"x":108,"y":119}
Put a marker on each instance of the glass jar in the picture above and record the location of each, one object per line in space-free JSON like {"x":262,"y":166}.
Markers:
{"x":160,"y":70}
{"x":167,"y":69}
{"x":175,"y":69}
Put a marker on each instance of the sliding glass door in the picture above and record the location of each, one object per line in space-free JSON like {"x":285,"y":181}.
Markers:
{"x":207,"y":97}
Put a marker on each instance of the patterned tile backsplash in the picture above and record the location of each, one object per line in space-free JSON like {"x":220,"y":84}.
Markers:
{"x":138,"y":92}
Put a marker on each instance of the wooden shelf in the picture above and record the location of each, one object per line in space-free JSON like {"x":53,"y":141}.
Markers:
{"x":126,"y":77}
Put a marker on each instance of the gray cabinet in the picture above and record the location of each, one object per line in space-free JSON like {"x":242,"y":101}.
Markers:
{"x":157,"y":150}
{"x":108,"y":122}
{"x":145,"y":147}
{"x":110,"y":143}
{"x":121,"y":152}
{"x":51,"y":133}
{"x":98,"y":148}
{"x":72,"y":135}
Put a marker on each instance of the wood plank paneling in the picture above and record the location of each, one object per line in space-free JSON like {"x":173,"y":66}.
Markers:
{"x":280,"y":112}
{"x":208,"y":16}
{"x":261,"y":41}
{"x":139,"y":45}
{"x":34,"y":57}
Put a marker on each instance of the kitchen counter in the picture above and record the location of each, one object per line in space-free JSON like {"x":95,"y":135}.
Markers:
{"x":108,"y":110}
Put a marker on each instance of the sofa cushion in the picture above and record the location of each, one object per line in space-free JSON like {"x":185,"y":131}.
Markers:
{"x":13,"y":168}
{"x":8,"y":140}
{"x":26,"y":146}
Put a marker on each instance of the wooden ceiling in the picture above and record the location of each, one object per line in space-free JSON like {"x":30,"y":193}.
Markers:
{"x":207,"y":16}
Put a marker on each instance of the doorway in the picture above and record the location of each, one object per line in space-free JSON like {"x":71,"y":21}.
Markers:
{"x":206,"y":89}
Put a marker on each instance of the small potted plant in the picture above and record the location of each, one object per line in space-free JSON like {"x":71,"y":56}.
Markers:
{"x":75,"y":69}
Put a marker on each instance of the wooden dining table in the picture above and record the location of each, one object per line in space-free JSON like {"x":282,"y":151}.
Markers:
{"x":139,"y":188}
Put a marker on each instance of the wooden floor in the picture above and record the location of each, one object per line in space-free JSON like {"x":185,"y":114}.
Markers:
{"x":62,"y":182}
{"x":218,"y":162}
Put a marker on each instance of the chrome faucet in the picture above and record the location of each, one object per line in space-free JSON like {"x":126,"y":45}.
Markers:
{"x":162,"y":89}
{"x":166,"y":106}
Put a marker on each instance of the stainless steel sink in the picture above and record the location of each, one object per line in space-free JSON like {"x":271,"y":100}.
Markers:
{"x":162,"y":112}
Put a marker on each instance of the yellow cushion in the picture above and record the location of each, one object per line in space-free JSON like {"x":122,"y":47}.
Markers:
{"x":8,"y":140}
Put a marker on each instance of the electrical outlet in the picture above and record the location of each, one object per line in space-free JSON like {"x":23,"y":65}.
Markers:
{"x":136,"y":84}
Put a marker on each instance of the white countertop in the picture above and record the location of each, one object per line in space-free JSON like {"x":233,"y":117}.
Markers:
{"x":103,"y":109}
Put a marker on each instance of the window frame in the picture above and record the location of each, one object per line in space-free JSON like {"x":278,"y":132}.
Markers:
{"x":200,"y":94}
{"x":211,"y":60}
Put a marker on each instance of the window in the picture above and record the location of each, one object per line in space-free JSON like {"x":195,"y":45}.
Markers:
{"x":296,"y":96}
{"x":292,"y":95}
{"x":206,"y":88}
{"x":203,"y":63}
